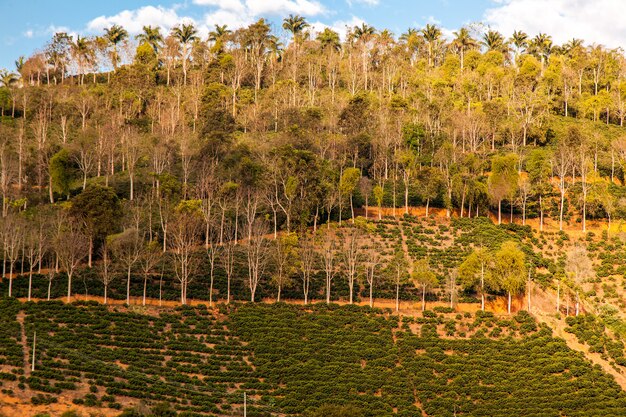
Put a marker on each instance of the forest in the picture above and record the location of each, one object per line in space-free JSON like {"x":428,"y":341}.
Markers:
{"x":249,"y":155}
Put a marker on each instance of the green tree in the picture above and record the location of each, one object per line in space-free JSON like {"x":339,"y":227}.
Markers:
{"x":502,"y":182}
{"x":474,"y":272}
{"x":62,"y":173}
{"x":347,"y":185}
{"x":423,"y":278}
{"x":100,"y":211}
{"x":509,"y":269}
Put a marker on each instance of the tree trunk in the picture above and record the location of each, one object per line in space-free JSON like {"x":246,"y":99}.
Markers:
{"x":509,"y":303}
{"x":423,"y":298}
{"x":128,"y":287}
{"x":69,"y":286}
{"x":105,"y":293}
{"x":397,"y":297}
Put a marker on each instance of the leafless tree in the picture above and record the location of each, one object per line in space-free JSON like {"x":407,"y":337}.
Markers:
{"x":257,"y":254}
{"x":105,"y":269}
{"x":308,"y":255}
{"x":328,"y":256}
{"x":186,"y":228}
{"x":126,"y":248}
{"x":351,"y":254}
{"x":71,"y":245}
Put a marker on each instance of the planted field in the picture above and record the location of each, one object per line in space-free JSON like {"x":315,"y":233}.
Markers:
{"x":294,"y":360}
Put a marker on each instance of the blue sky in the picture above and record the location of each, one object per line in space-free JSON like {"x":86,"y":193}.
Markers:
{"x":27,"y":25}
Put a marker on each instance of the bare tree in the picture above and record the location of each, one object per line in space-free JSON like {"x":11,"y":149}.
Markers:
{"x":149,"y":257}
{"x":351,"y":254}
{"x":71,"y":245}
{"x":13,"y":230}
{"x":228,"y":260}
{"x":372,"y":262}
{"x":285,"y":261}
{"x":257,"y":254}
{"x":579,"y":268}
{"x":307,"y":255}
{"x":329,"y":258}
{"x":185,"y":235}
{"x":105,"y":270}
{"x":34,"y":249}
{"x":126,"y":248}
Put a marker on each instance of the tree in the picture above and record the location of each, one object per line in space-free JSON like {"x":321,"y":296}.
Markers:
{"x":431,"y":34}
{"x":347,"y":185}
{"x":126,"y":248}
{"x":509,"y":269}
{"x":503,"y":180}
{"x":12,"y":232}
{"x":462,"y":42}
{"x":307,"y":257}
{"x":328,"y":255}
{"x":149,"y":257}
{"x":352,"y":255}
{"x":72,"y":246}
{"x":257,"y":254}
{"x":398,"y":268}
{"x":228,"y":257}
{"x":186,"y":229}
{"x":474,"y":272}
{"x":105,"y":269}
{"x":285,"y":259}
{"x":100,"y":211}
{"x":579,"y":268}
{"x":151,"y":36}
{"x":373,"y":260}
{"x":423,"y":278}
{"x":35,"y":245}
{"x":114,"y":35}
{"x":185,"y":34}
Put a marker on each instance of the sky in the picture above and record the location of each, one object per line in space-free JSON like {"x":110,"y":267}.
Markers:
{"x":26,"y":25}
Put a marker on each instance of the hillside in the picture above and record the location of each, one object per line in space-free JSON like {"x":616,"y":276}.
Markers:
{"x":291,"y":360}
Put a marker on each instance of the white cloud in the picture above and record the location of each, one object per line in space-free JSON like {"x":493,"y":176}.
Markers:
{"x":134,"y":20}
{"x":230,"y":5}
{"x":366,"y":2}
{"x":283,"y":7}
{"x":599,"y":21}
{"x":236,"y":13}
{"x":339,"y":26}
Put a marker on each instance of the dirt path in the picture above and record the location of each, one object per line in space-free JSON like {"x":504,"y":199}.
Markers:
{"x":558,"y":328}
{"x":24,"y":341}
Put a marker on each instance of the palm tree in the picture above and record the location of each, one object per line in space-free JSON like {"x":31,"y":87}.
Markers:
{"x":8,"y":79}
{"x":541,"y":47}
{"x":185,"y":34}
{"x":296,"y":25}
{"x":463,"y":41}
{"x":494,"y":41}
{"x":83,"y":54}
{"x":218,"y":36}
{"x":572,"y":45}
{"x":115,"y":34}
{"x":519,"y":39}
{"x":412,"y":39}
{"x":362,"y":32}
{"x":152,"y":36}
{"x":431,"y":34}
